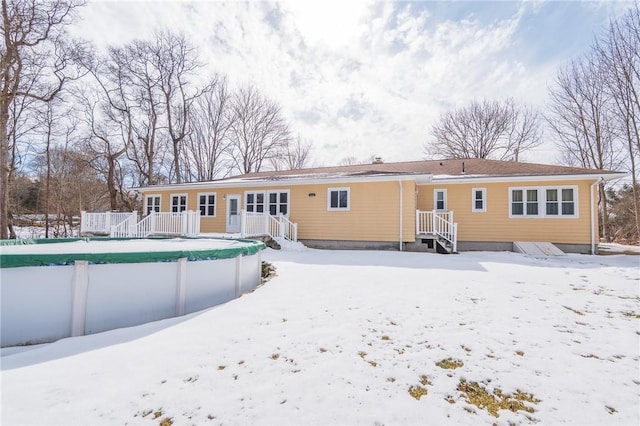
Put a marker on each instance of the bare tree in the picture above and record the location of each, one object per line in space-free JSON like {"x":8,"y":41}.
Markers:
{"x":149,"y":90}
{"x":105,"y":142}
{"x":619,"y":53}
{"x":487,"y":129}
{"x":523,"y":132}
{"x":34,"y":63}
{"x":259,"y":130}
{"x":350,"y":161}
{"x":177,"y":62}
{"x":69,"y":184}
{"x":295,"y":155}
{"x":580,"y":115}
{"x":211,"y":119}
{"x":133,"y":84}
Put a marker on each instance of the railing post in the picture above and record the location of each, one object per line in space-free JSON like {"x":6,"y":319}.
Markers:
{"x":434,"y":216}
{"x":281,"y":225}
{"x":455,"y":237}
{"x":267,"y":220}
{"x":83,"y":219}
{"x":107,"y":222}
{"x":152,"y":223}
{"x":132,"y":222}
{"x":184,"y":216}
{"x":243,"y":223}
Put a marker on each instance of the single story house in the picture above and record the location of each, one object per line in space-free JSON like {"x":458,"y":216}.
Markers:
{"x":451,"y":205}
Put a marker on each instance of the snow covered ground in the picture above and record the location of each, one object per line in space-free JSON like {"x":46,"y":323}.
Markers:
{"x":357,"y":337}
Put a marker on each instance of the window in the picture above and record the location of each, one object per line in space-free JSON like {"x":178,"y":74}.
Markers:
{"x":278,"y":203}
{"x":543,"y":202}
{"x":532,"y":202}
{"x":517,"y":204}
{"x":153,"y":204}
{"x":207,"y":204}
{"x":272,"y":202}
{"x":338,"y":199}
{"x":178,"y":203}
{"x":254,"y":202}
{"x":552,"y":202}
{"x":440,"y":199}
{"x":568,"y":204}
{"x":478,"y":200}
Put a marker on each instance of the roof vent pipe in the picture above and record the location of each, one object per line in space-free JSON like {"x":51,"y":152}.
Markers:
{"x":463,"y":167}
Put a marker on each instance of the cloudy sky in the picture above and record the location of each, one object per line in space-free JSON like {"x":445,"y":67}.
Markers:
{"x":369,"y":78}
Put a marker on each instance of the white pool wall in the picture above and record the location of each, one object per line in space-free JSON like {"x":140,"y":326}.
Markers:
{"x":47,"y":303}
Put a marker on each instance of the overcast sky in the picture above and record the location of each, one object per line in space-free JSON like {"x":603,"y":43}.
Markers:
{"x":363,"y":78}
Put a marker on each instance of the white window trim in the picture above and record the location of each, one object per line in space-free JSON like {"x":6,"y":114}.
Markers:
{"x":266,"y":202}
{"x":255,"y":203}
{"x":435,"y":199}
{"x":186,"y":201}
{"x":146,"y":202}
{"x":339,"y":209}
{"x":215,"y":203}
{"x":484,"y":200}
{"x":278,"y":191}
{"x":542,"y":202}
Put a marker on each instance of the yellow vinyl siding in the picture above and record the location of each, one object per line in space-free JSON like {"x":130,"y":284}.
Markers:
{"x":496,"y":225}
{"x":373,"y":215}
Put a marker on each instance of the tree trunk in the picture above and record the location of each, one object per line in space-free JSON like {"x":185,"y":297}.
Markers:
{"x":47,"y":191}
{"x":111,"y":184}
{"x":4,"y":172}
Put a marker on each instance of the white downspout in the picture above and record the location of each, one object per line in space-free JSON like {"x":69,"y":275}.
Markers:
{"x":401,"y":212}
{"x":592,"y":215}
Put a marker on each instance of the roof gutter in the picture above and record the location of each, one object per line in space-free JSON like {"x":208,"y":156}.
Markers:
{"x":271,"y":183}
{"x":522,"y":178}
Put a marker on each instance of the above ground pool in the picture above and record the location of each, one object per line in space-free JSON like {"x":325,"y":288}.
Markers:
{"x":59,"y":288}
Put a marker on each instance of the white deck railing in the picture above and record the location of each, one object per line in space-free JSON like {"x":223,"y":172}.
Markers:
{"x":253,"y":224}
{"x":163,"y":223}
{"x":438,"y":223}
{"x":262,"y":224}
{"x":101,"y":223}
{"x":126,"y":228}
{"x":186,"y":223}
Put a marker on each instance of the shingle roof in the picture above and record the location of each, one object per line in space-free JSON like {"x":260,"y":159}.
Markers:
{"x":451,"y":167}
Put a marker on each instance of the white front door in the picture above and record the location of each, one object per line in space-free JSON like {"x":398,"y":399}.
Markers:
{"x":233,"y":214}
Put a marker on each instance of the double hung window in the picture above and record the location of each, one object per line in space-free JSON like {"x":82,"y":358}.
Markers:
{"x":440,"y":199}
{"x":543,"y":202}
{"x":152,"y":204}
{"x":207,"y":204}
{"x":178,"y":203}
{"x":278,"y":203}
{"x":478,"y":200}
{"x":254,"y":202}
{"x":272,"y":202}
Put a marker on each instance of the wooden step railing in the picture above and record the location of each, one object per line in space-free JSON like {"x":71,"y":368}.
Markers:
{"x":438,"y":223}
{"x":263,"y":224}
